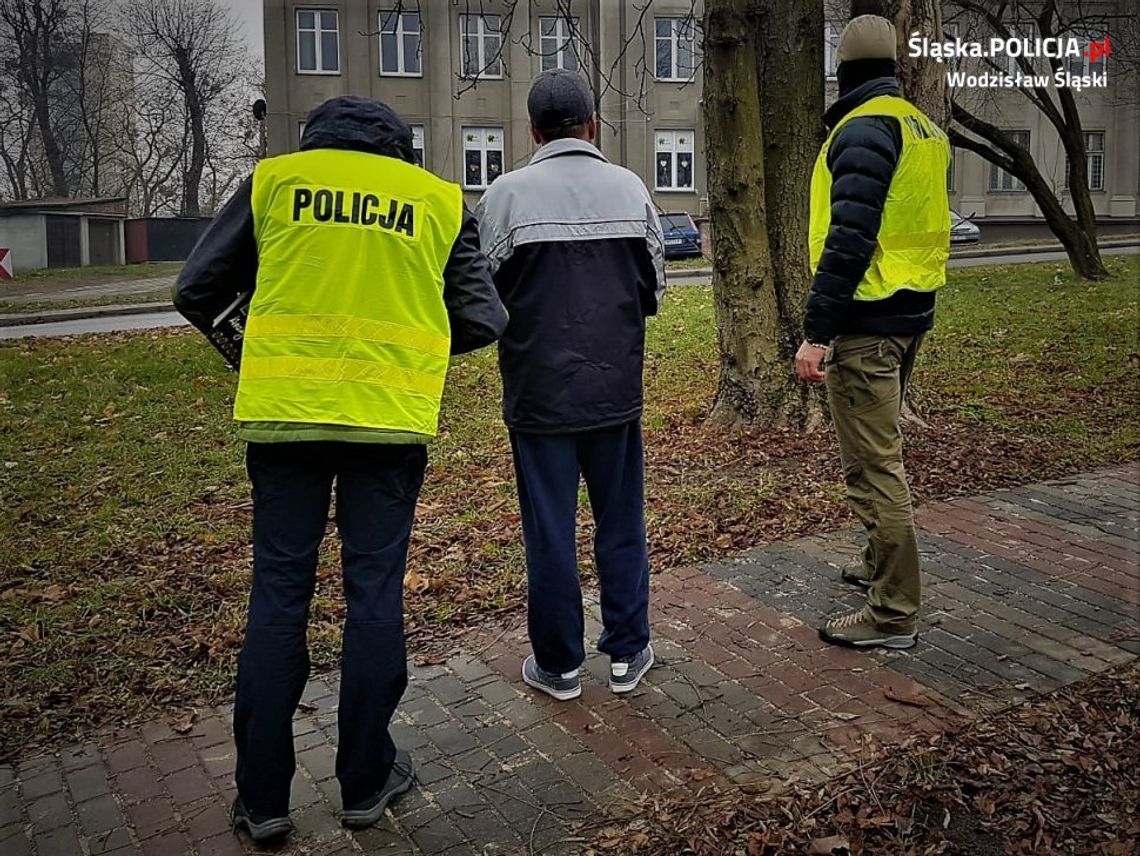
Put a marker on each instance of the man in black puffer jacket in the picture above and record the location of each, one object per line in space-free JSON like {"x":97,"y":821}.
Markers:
{"x":879,"y":239}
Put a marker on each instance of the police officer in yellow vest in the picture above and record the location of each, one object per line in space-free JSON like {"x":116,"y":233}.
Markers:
{"x":366,"y":275}
{"x":879,"y":241}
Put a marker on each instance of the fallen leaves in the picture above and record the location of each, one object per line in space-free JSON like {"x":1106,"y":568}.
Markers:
{"x":1056,"y":775}
{"x":832,"y":845}
{"x":185,"y":723}
{"x":912,"y":699}
{"x":125,"y":539}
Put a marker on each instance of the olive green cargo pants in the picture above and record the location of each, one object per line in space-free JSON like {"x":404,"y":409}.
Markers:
{"x":867,"y":378}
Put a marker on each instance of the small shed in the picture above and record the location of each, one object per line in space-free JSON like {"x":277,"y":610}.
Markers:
{"x":56,"y":232}
{"x":163,"y":239}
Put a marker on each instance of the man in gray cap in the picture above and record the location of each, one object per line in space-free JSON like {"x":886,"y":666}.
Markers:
{"x":578,"y":259}
{"x":879,"y":238}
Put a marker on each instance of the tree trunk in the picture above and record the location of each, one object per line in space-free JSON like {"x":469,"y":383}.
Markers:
{"x":923,"y":83}
{"x":52,"y":152}
{"x":1077,"y":237}
{"x":192,"y":176}
{"x":762,"y":133}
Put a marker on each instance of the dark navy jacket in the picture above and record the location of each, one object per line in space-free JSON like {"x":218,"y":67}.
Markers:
{"x":578,"y":259}
{"x":862,"y":159}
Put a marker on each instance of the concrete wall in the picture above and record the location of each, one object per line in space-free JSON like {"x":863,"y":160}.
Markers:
{"x":26,"y":235}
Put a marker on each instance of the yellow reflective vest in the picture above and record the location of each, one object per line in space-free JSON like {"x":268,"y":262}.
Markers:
{"x":914,"y":238}
{"x":347,"y":325}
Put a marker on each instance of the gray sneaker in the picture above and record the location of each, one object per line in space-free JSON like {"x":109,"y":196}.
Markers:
{"x":367,"y":813}
{"x":261,"y":828}
{"x":626,"y":672}
{"x":562,"y":687}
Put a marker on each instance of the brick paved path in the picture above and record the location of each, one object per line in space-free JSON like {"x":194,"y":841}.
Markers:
{"x":1026,"y":590}
{"x":34,"y":291}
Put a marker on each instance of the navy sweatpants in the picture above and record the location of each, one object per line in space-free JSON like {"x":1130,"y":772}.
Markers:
{"x":548,"y":468}
{"x":376,"y":490}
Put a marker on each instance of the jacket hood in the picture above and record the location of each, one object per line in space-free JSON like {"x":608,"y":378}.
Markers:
{"x":360,"y":125}
{"x":858,"y":95}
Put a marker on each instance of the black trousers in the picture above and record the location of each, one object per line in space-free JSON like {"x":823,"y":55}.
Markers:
{"x":377,"y":486}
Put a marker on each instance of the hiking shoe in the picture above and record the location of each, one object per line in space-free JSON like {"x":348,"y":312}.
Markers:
{"x":260,"y":827}
{"x":626,"y":672}
{"x":563,"y":686}
{"x":858,"y":630}
{"x":368,"y":812}
{"x":856,"y":575}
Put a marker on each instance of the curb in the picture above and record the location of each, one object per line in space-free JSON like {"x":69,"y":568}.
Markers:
{"x":998,"y":252}
{"x":51,"y":316}
{"x":981,"y":252}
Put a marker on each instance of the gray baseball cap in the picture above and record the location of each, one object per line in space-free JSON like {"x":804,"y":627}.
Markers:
{"x":558,"y":99}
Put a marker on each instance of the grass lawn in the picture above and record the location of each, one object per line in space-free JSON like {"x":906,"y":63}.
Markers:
{"x":96,"y":273}
{"x":698,"y":263}
{"x":124,"y":508}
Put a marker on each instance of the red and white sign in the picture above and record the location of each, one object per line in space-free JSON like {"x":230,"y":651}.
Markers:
{"x":5,"y":264}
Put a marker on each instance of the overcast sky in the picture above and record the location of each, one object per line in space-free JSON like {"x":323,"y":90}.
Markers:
{"x":248,"y":12}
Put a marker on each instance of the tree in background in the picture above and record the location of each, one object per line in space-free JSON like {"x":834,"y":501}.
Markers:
{"x":195,"y":48}
{"x":1005,"y":150}
{"x":99,"y":92}
{"x":16,"y":132}
{"x":763,"y":97}
{"x":33,"y":42}
{"x":1050,"y":18}
{"x":153,"y":151}
{"x":923,"y":83}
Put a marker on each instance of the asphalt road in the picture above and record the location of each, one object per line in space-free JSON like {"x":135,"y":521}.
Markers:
{"x":115,"y":323}
{"x":108,"y":324}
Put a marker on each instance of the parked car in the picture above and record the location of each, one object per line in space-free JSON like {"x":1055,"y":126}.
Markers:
{"x":682,"y":239}
{"x":963,"y":230}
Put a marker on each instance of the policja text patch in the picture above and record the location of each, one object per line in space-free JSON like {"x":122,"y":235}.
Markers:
{"x":322,"y":205}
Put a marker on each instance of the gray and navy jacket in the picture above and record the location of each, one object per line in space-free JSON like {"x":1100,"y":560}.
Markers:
{"x":577,"y":254}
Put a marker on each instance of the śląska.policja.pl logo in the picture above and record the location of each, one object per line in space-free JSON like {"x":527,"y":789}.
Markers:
{"x":1004,"y":69}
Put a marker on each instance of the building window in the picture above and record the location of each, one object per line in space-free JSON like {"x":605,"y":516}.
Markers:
{"x":673,"y":156}
{"x":831,"y":33}
{"x":400,"y":43}
{"x":418,"y":143}
{"x":1019,"y":31}
{"x":1081,"y":65}
{"x":1000,"y":180}
{"x":481,"y":45}
{"x":482,"y":156}
{"x":676,"y":49}
{"x":950,"y":32}
{"x":557,"y":43}
{"x":1094,"y":155}
{"x":318,"y":42}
